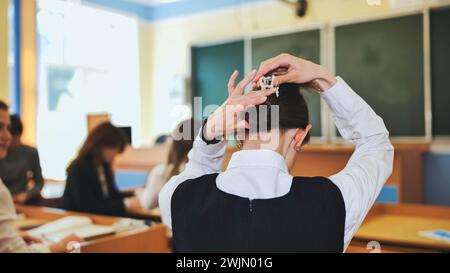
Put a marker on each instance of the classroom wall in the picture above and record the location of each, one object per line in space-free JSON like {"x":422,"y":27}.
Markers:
{"x":146,"y":76}
{"x":28,"y":71}
{"x":4,"y":73}
{"x":172,"y":39}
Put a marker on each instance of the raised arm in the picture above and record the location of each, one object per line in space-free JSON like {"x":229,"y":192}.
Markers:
{"x":370,"y":165}
{"x":209,"y":147}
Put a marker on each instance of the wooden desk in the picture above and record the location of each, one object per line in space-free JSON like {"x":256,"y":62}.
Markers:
{"x":146,"y":240}
{"x":53,"y":192}
{"x":397,"y":227}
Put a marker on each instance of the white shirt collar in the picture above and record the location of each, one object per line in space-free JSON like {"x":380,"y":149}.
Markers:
{"x":257,"y":158}
{"x":255,"y":174}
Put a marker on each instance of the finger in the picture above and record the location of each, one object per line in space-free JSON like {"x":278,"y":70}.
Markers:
{"x":241,"y":86}
{"x":36,"y":240}
{"x":282,"y":60}
{"x":243,"y":124}
{"x":231,"y":82}
{"x":252,"y":101}
{"x":260,"y":94}
{"x":236,"y":109}
{"x":251,"y":98}
{"x":259,"y":74}
{"x":287,"y":78}
{"x":268,"y":92}
{"x":241,"y":127}
{"x":255,"y":95}
{"x":272,"y":65}
{"x":230,"y":123}
{"x":267,"y":62}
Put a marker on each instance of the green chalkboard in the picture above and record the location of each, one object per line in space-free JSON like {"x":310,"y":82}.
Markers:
{"x":212,"y":67}
{"x":440,"y":70}
{"x":383,"y":62}
{"x":303,"y":44}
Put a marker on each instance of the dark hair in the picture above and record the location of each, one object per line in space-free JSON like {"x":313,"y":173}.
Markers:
{"x":181,"y":146}
{"x":16,"y":125}
{"x":161,"y":139}
{"x":293,"y":110}
{"x":104,"y":135}
{"x":4,"y":106}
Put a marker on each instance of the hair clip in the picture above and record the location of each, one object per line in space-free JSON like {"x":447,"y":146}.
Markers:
{"x":267,"y":83}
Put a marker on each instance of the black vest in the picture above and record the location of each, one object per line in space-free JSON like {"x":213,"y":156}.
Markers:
{"x":310,"y":218}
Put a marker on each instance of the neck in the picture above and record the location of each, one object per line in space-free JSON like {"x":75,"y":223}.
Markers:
{"x":261,"y":145}
{"x":273,"y":141}
{"x":281,"y":144}
{"x":251,"y":145}
{"x":15,"y":143}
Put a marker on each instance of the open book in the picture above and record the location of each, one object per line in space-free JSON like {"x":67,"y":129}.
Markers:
{"x":24,"y":223}
{"x":78,"y":225}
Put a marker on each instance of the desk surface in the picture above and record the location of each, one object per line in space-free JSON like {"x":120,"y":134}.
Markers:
{"x":399,"y":225}
{"x":147,"y":239}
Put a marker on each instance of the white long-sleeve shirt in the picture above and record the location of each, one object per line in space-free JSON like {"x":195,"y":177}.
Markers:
{"x":263,"y":174}
{"x":148,"y":196}
{"x":10,"y":240}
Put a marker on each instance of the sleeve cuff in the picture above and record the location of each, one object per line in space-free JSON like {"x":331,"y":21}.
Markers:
{"x":208,"y":142}
{"x":341,"y":97}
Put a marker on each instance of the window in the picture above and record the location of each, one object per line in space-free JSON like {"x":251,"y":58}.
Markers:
{"x":88,"y":63}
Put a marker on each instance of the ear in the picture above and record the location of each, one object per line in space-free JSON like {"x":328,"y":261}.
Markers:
{"x":300,"y":136}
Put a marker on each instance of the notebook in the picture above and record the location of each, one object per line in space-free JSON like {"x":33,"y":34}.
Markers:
{"x":439,"y":234}
{"x":22,"y":223}
{"x":79,"y":225}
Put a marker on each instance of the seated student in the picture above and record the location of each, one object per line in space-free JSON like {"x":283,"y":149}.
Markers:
{"x":20,"y":169}
{"x":10,"y":239}
{"x":256,"y":205}
{"x":90,"y":185}
{"x":147,"y":198}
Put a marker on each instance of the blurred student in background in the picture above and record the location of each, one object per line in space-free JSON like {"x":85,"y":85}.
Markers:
{"x":147,"y":197}
{"x":90,"y":185}
{"x":10,"y":239}
{"x":20,"y":170}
